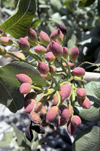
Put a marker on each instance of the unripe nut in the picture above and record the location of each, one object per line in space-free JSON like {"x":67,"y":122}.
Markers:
{"x":52,"y":69}
{"x":35,"y":117}
{"x":74,"y":53}
{"x":30,"y":104}
{"x":54,"y":35}
{"x":23,"y":78}
{"x":45,"y":76}
{"x":24,"y":44}
{"x":32,"y":35}
{"x":44,"y":38}
{"x":69,"y":63}
{"x":65,"y":52}
{"x":75,"y":120}
{"x":85,"y":103}
{"x":25,"y":88}
{"x":55,"y":100}
{"x":64,"y":112}
{"x":71,"y":129}
{"x":19,"y":55}
{"x":2,"y":50}
{"x":81,"y":93}
{"x":43,"y":110}
{"x":56,"y":49}
{"x":43,"y":68}
{"x":49,"y":57}
{"x":51,"y":114}
{"x":40,"y":50}
{"x":70,"y":108}
{"x":78,"y":71}
{"x":6,"y":41}
{"x":65,"y":91}
{"x":61,"y":121}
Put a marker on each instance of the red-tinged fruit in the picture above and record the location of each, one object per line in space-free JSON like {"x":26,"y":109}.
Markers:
{"x":75,"y":120}
{"x":48,"y":48}
{"x":56,"y":49}
{"x":81,"y":93}
{"x":74,"y":53}
{"x":52,"y":69}
{"x":24,"y":44}
{"x":43,"y":110}
{"x":23,"y":78}
{"x":40,"y":49}
{"x":3,"y":34}
{"x":61,"y":37}
{"x":85,"y":103}
{"x":31,"y":95}
{"x":45,"y":76}
{"x":65,"y":52}
{"x":64,"y":112}
{"x":25,"y":88}
{"x":6,"y":41}
{"x":43,"y":68}
{"x":70,"y":108}
{"x":35,"y":118}
{"x":2,"y":50}
{"x":30,"y":104}
{"x":55,"y":100}
{"x":7,"y":55}
{"x":54,"y":35}
{"x":78,"y":71}
{"x":32,"y":43}
{"x":44,"y":38}
{"x":71,"y":129}
{"x":61,"y":121}
{"x":69,"y":63}
{"x":51,"y":114}
{"x":32,"y":35}
{"x":62,"y":28}
{"x":19,"y":55}
{"x":65,"y":91}
{"x":50,"y":57}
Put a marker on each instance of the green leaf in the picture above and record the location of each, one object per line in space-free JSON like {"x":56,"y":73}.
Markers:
{"x":9,"y":3}
{"x":56,"y":18}
{"x":19,"y":24}
{"x":9,"y":91}
{"x":91,"y":114}
{"x":70,"y":44}
{"x":37,"y":143}
{"x":6,"y":140}
{"x":19,"y":134}
{"x":84,"y":3}
{"x":88,"y":139}
{"x":71,"y":5}
{"x":56,"y":5}
{"x":93,"y":89}
{"x":21,"y":140}
{"x":36,"y":22}
{"x":93,"y":93}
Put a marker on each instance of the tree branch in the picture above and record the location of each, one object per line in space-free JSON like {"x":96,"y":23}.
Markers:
{"x":91,"y":76}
